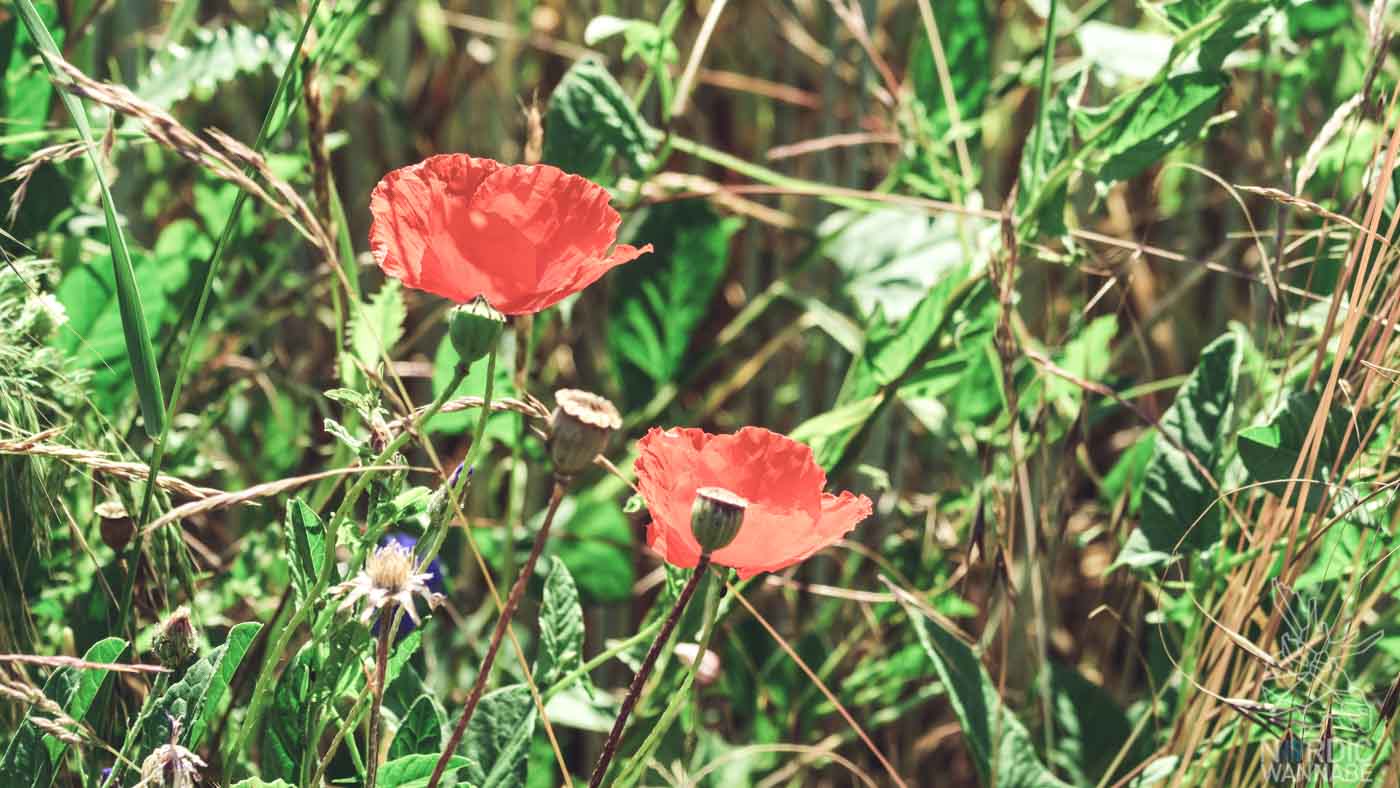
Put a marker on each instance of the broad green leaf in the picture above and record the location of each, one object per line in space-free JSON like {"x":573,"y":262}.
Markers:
{"x":498,"y":738}
{"x":284,"y":738}
{"x":1090,"y":727}
{"x":420,"y":731}
{"x":642,"y":38}
{"x":595,"y":543}
{"x":892,"y":256}
{"x":31,"y":758}
{"x":658,"y":300}
{"x":1009,"y":761}
{"x":1269,"y":451}
{"x":1123,"y":53}
{"x":306,"y":546}
{"x":235,"y":647}
{"x":561,"y":627}
{"x":841,"y":419}
{"x":1174,"y":493}
{"x":28,"y":94}
{"x":374,"y":330}
{"x":413,"y":771}
{"x":1154,"y":121}
{"x":589,"y":120}
{"x":192,"y":700}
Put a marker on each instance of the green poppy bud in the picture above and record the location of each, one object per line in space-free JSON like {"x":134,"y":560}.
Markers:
{"x":579,"y":429}
{"x":715,"y":517}
{"x":475,"y":328}
{"x":174,"y":642}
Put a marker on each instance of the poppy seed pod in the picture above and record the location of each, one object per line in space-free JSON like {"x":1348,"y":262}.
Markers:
{"x":475,"y":327}
{"x":115,"y":524}
{"x":715,"y":518}
{"x":174,"y":642}
{"x":579,"y":429}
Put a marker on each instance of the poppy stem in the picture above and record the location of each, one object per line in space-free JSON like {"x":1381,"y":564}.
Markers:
{"x":634,"y":691}
{"x":512,"y":602}
{"x":381,"y":668}
{"x":678,"y":698}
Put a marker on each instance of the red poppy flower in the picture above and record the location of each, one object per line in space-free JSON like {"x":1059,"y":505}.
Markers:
{"x":523,"y":236}
{"x":788,"y":519}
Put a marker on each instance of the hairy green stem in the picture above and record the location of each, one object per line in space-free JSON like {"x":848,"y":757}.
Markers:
{"x":600,"y":770}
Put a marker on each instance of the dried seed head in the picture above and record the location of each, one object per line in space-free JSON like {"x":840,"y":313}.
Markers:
{"x":174,"y":642}
{"x":579,"y":429}
{"x":715,"y":517}
{"x":115,"y":524}
{"x":475,"y":327}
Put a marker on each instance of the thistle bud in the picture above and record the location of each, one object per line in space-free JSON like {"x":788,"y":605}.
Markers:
{"x":715,"y":518}
{"x":174,"y":642}
{"x":475,"y":328}
{"x":579,"y":429}
{"x":115,"y":524}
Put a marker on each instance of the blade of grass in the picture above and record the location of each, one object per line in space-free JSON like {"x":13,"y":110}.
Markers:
{"x":139,"y":350}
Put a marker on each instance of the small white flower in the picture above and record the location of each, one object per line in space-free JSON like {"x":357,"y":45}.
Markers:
{"x":388,"y":578}
{"x":171,"y":765}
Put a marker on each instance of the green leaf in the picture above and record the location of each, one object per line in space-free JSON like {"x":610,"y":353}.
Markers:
{"x":1156,"y":120}
{"x":254,"y":782}
{"x":500,"y":426}
{"x":235,"y":647}
{"x":1090,"y":727}
{"x":28,"y":94}
{"x":139,"y":350}
{"x":595,"y":543}
{"x":306,"y":546}
{"x":420,"y":731}
{"x":216,"y":56}
{"x":413,"y":771}
{"x":1175,"y":494}
{"x":192,"y":701}
{"x":660,"y":299}
{"x":1269,"y":451}
{"x":374,"y":330}
{"x":561,"y":627}
{"x":589,"y":120}
{"x":32,"y":756}
{"x":499,"y":737}
{"x":965,"y":32}
{"x":1006,"y":762}
{"x":1049,"y":218}
{"x":285,"y":727}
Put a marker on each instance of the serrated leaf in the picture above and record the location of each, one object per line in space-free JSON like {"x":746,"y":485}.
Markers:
{"x":589,"y":120}
{"x":498,"y":738}
{"x":374,"y":330}
{"x":31,"y":758}
{"x":999,"y":744}
{"x":413,"y":771}
{"x":1175,"y":494}
{"x":1156,"y":120}
{"x":420,"y":731}
{"x":561,"y":628}
{"x":189,"y":701}
{"x":285,"y":727}
{"x":660,"y":299}
{"x":306,"y":546}
{"x":216,"y":56}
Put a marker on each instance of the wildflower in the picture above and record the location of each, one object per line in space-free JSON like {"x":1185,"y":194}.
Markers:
{"x":388,"y":578}
{"x":171,"y":765}
{"x":434,"y":573}
{"x":788,"y":516}
{"x":579,"y":429}
{"x":523,"y":236}
{"x":174,"y":643}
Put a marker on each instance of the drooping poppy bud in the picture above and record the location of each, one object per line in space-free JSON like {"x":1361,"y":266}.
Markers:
{"x":475,"y":327}
{"x":715,"y":518}
{"x":115,"y":524}
{"x":579,"y":429}
{"x":174,"y":642}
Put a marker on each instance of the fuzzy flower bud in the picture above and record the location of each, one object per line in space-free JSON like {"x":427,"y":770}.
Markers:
{"x":715,"y":517}
{"x":579,"y":429}
{"x":115,"y":524}
{"x":475,"y":328}
{"x":174,"y":642}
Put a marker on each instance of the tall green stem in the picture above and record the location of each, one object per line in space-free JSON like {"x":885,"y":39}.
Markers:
{"x":1046,"y":66}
